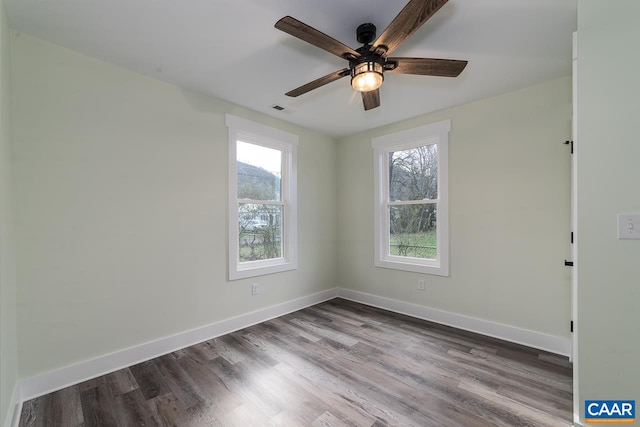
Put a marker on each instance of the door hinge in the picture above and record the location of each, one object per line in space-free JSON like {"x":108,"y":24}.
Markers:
{"x":569,"y":143}
{"x":568,"y":263}
{"x":572,"y":326}
{"x":572,"y":237}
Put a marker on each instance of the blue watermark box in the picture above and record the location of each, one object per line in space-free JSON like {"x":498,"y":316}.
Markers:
{"x":610,"y":411}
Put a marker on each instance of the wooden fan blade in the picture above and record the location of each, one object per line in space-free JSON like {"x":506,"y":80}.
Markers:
{"x":427,"y":66}
{"x":371,"y":99}
{"x":318,"y":82}
{"x":414,"y":14}
{"x":319,"y":39}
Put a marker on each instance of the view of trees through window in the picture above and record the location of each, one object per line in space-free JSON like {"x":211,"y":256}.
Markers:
{"x":260,"y":211}
{"x":413,"y":194}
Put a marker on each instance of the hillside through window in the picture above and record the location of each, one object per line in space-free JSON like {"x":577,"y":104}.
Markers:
{"x":262,"y":211}
{"x":259,"y":176}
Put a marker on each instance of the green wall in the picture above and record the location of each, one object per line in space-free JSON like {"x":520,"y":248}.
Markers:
{"x":121,"y":191}
{"x":8,"y":307}
{"x":608,"y":149}
{"x":509,"y":185}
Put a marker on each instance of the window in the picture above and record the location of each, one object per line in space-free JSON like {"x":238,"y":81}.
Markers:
{"x":411,"y":205}
{"x":262,"y":199}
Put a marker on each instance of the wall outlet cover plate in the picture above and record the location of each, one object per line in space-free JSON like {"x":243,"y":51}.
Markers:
{"x":628,"y":226}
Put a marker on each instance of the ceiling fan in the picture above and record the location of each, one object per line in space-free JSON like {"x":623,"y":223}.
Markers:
{"x":368,"y":63}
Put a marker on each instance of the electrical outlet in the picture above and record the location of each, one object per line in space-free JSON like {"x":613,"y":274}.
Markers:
{"x":421,"y":285}
{"x":255,"y":290}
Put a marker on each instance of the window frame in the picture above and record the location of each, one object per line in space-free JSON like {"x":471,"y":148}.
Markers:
{"x":258,"y":134}
{"x":434,"y":133}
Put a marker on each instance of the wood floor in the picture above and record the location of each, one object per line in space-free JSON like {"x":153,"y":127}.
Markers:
{"x":338,"y":363}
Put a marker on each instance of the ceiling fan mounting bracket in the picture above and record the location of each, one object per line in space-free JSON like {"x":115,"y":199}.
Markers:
{"x":390,"y":65}
{"x":380,"y":49}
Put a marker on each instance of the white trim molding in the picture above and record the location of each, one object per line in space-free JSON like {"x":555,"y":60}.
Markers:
{"x":51,"y":381}
{"x":69,"y":375}
{"x":246,"y":131}
{"x":541,"y":341}
{"x":434,"y":134}
{"x":15,"y":408}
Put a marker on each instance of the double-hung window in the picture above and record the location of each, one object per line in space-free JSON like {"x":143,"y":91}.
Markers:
{"x":411,"y":203}
{"x":262,"y":199}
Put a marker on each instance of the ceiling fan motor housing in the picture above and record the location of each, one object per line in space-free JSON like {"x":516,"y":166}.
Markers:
{"x":366,"y":33}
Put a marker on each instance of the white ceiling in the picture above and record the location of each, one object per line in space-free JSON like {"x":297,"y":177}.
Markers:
{"x":231,"y":50}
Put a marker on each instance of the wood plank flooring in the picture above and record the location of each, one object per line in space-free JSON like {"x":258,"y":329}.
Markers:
{"x":338,"y":363}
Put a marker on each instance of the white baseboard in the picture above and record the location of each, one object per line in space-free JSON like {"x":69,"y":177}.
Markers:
{"x":51,"y":381}
{"x":550,"y":343}
{"x":15,"y":407}
{"x":64,"y":377}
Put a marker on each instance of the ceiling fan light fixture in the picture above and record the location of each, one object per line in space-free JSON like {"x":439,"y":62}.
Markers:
{"x":367,"y":76}
{"x":368,"y":62}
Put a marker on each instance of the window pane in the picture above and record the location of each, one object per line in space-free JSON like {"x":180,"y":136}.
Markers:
{"x":413,"y":174}
{"x":259,"y":172}
{"x":412,"y":231}
{"x":260,"y":232}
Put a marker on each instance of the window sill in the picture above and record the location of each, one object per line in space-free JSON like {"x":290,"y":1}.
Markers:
{"x":253,"y":270}
{"x":434,"y":269}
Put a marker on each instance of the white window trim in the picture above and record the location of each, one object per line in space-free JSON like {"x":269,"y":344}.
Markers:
{"x":256,"y":133}
{"x":433,"y":133}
